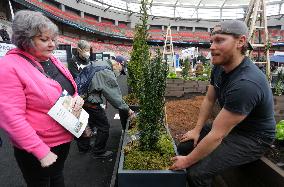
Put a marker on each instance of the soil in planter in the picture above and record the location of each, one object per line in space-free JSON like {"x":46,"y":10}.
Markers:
{"x":182,"y":114}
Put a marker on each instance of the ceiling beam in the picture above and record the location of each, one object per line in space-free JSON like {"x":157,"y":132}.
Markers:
{"x":224,"y":2}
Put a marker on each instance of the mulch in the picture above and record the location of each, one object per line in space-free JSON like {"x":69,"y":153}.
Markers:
{"x":182,"y":114}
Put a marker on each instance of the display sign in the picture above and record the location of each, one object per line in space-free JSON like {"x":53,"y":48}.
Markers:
{"x":61,"y":55}
{"x":4,"y":48}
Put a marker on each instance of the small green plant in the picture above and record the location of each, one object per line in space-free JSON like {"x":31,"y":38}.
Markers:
{"x":172,"y":75}
{"x":185,"y":69}
{"x":159,"y":159}
{"x":280,"y":130}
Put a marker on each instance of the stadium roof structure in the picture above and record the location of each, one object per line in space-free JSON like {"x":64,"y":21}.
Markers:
{"x":191,"y":9}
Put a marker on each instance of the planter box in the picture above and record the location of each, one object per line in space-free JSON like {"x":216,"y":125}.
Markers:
{"x":149,"y":178}
{"x":180,"y":87}
{"x":260,"y":173}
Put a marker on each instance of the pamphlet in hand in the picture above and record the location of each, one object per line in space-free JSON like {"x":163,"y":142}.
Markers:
{"x":63,"y":112}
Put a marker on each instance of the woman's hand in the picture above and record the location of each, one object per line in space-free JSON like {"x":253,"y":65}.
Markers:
{"x":48,"y":160}
{"x":191,"y":135}
{"x":77,"y":104}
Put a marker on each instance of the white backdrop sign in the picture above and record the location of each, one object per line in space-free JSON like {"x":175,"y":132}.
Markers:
{"x":61,"y":55}
{"x":4,"y":48}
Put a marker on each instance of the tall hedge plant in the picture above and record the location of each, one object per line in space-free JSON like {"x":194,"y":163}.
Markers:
{"x":152,"y":103}
{"x":140,"y":53}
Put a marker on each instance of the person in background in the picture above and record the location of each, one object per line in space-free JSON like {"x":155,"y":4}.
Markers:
{"x":80,"y":59}
{"x":245,"y":127}
{"x":199,"y":68}
{"x":36,"y":81}
{"x":4,"y":34}
{"x":104,"y":83}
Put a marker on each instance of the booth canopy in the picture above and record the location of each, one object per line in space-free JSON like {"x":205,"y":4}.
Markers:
{"x":277,"y":58}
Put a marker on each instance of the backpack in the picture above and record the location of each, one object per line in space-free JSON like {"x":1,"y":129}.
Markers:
{"x":84,"y":79}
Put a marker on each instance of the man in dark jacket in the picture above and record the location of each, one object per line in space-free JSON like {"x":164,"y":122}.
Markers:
{"x":80,"y":59}
{"x":104,"y":84}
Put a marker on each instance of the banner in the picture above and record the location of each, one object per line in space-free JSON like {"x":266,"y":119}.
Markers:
{"x":61,"y":55}
{"x":4,"y":48}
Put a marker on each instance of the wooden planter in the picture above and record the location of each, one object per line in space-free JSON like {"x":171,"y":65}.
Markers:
{"x":148,"y":178}
{"x":180,"y":87}
{"x":260,"y":173}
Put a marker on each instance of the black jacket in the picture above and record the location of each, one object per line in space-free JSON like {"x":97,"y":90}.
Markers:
{"x":76,"y":64}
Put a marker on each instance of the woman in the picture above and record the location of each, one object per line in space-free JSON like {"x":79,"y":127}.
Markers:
{"x":31,"y":82}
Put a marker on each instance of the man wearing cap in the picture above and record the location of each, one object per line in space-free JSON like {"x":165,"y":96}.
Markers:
{"x":245,"y":126}
{"x":104,"y":83}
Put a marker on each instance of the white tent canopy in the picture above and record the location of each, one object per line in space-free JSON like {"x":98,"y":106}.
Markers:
{"x":192,"y":9}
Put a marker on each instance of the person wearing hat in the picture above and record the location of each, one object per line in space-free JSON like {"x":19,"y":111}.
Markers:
{"x":104,"y":84}
{"x":245,"y":126}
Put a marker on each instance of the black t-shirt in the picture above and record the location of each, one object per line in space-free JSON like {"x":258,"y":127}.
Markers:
{"x":55,"y":74}
{"x":245,"y":90}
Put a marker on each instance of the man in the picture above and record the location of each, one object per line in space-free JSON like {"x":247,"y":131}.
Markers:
{"x":80,"y":59}
{"x":104,"y":83}
{"x":4,"y":34}
{"x":245,"y":126}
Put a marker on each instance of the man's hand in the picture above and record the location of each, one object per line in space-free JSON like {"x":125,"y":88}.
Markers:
{"x":191,"y":135}
{"x":48,"y":160}
{"x":180,"y":162}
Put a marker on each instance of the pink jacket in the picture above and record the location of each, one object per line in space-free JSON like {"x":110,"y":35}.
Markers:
{"x":26,"y":95}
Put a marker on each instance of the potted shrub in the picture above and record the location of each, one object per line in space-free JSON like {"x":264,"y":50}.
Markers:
{"x":148,"y":146}
{"x":147,"y":150}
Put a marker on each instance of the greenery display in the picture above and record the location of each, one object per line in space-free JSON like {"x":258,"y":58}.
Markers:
{"x":172,"y":75}
{"x":140,"y":52}
{"x":185,"y":69}
{"x":159,"y":159}
{"x":205,"y":76}
{"x":280,"y":130}
{"x":279,"y":85}
{"x":131,"y":99}
{"x":151,"y":115}
{"x":153,"y":148}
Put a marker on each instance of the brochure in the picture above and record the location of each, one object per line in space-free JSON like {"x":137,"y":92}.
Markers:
{"x":63,"y":112}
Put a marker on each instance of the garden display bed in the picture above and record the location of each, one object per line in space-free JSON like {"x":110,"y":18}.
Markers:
{"x":182,"y":116}
{"x":149,"y":178}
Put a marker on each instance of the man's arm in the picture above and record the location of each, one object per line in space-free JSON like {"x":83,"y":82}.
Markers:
{"x":222,"y":125}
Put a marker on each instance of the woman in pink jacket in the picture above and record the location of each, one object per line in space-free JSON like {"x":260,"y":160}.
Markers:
{"x":31,"y":81}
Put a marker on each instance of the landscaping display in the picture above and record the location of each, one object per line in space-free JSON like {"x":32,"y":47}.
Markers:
{"x":148,"y":147}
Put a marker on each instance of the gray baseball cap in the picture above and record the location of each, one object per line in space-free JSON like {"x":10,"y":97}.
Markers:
{"x":234,"y":27}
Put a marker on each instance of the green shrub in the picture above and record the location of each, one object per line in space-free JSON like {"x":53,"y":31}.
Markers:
{"x":280,"y":130}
